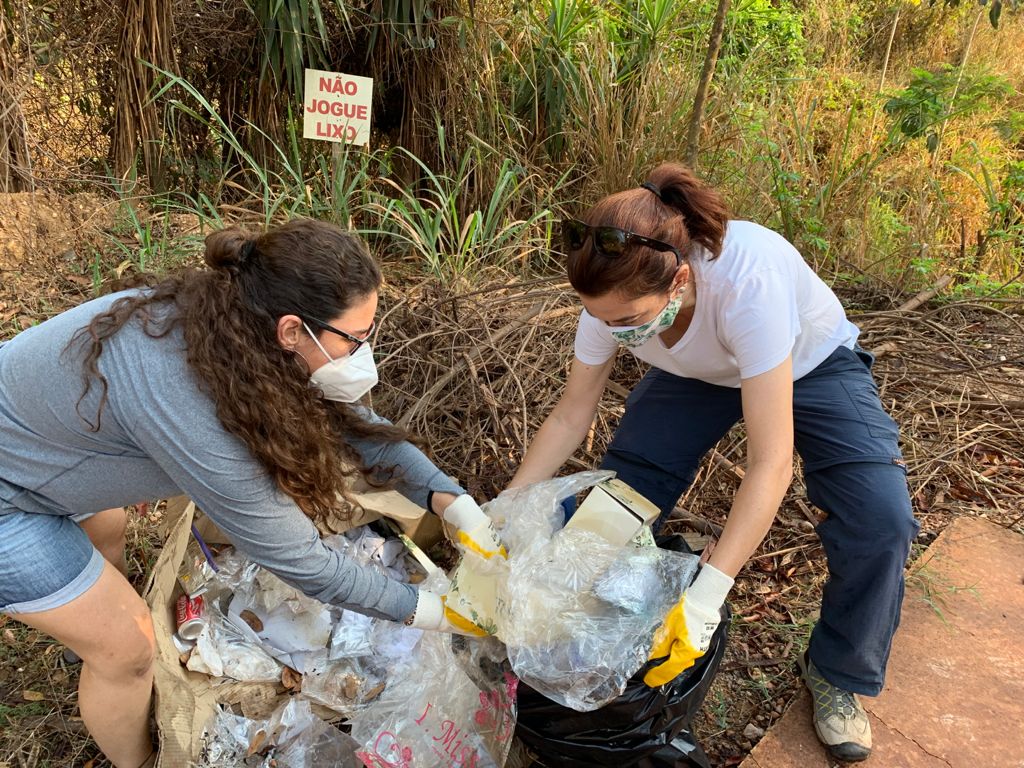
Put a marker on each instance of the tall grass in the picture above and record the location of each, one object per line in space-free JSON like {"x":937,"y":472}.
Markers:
{"x":550,"y":105}
{"x":431,"y":224}
{"x":436,"y":222}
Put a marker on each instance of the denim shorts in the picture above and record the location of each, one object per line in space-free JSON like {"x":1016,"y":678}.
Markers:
{"x":46,"y":561}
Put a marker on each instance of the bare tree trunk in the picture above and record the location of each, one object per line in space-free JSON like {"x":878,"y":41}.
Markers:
{"x":15,"y":162}
{"x":706,"y":73}
{"x":146,"y":31}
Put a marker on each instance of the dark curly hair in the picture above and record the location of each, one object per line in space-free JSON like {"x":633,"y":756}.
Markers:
{"x":228,"y":316}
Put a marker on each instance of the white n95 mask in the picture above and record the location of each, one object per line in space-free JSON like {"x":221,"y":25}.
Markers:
{"x":345,"y":379}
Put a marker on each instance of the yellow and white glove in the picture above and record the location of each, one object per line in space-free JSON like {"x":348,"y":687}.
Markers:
{"x":433,"y":614}
{"x":685,"y":635}
{"x":476,"y":532}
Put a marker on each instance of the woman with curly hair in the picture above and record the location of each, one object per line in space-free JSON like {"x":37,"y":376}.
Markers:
{"x":236,"y":385}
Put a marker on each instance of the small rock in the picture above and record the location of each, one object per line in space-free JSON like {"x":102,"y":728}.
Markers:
{"x":753,"y":732}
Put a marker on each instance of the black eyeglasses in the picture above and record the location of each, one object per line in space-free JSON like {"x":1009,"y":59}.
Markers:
{"x":347,"y":336}
{"x":610,"y":241}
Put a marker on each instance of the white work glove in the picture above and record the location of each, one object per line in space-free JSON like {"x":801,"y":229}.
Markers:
{"x":432,"y":613}
{"x":685,"y":635}
{"x":476,"y":532}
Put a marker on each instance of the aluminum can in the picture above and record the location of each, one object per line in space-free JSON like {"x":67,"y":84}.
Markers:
{"x":181,"y":644}
{"x":189,"y":613}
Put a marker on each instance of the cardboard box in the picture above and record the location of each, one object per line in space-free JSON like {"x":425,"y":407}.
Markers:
{"x":614,"y":511}
{"x":185,"y":701}
{"x":415,"y":522}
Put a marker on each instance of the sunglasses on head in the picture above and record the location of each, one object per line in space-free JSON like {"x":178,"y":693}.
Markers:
{"x":610,"y":241}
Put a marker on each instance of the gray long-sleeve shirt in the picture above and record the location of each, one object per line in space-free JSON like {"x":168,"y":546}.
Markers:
{"x":160,"y":436}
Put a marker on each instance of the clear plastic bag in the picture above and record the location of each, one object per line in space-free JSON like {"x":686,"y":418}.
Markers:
{"x":433,"y":714}
{"x":222,"y":651}
{"x":303,"y":740}
{"x":352,"y":636}
{"x":293,"y":737}
{"x":343,"y":685}
{"x":226,"y":743}
{"x":233,"y":570}
{"x":577,"y":613}
{"x":366,"y":546}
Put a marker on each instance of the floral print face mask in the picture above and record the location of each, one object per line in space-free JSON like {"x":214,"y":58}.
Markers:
{"x":633,"y":336}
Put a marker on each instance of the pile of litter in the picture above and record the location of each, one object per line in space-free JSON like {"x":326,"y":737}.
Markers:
{"x":394,"y":689}
{"x":575,"y":616}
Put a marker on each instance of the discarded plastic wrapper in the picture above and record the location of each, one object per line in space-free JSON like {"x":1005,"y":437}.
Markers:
{"x":576,"y":612}
{"x":344,"y":685}
{"x":289,"y":632}
{"x":351,"y":636}
{"x":366,"y":546}
{"x":222,"y":651}
{"x":195,"y":572}
{"x":433,"y":714}
{"x":293,"y":737}
{"x":347,"y":684}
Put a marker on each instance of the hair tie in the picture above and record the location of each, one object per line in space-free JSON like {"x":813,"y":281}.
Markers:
{"x":247,"y":251}
{"x":657,"y":192}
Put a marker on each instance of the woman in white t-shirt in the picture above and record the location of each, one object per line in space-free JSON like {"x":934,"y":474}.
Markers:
{"x":736,"y":325}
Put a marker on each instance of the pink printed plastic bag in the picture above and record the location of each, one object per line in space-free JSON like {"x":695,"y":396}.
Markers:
{"x":442,"y":709}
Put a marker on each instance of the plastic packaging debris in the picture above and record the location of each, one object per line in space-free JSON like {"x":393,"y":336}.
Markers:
{"x":256,"y":623}
{"x":233,"y":571}
{"x":348,"y":683}
{"x":366,"y":546}
{"x":222,"y":651}
{"x":293,"y":737}
{"x":351,"y":636}
{"x":344,"y":685}
{"x":642,"y":728}
{"x":576,"y":612}
{"x":290,"y":632}
{"x":196,"y":571}
{"x":433,"y":714}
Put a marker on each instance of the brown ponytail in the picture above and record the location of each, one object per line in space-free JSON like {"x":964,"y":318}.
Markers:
{"x":673,"y":206}
{"x":226,"y":249}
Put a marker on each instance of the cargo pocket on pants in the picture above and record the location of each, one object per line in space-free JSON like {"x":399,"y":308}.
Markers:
{"x":868,"y":406}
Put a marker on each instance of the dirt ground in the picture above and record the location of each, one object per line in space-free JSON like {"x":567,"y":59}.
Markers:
{"x":950,"y":373}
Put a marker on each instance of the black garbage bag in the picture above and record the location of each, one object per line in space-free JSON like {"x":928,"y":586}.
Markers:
{"x":643,"y":728}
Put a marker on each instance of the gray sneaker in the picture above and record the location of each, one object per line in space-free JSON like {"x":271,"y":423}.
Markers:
{"x":839,"y":719}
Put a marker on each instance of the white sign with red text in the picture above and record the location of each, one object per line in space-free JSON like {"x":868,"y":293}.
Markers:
{"x":337,"y":107}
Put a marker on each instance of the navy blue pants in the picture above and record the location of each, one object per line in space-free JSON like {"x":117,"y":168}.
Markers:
{"x":853,"y":470}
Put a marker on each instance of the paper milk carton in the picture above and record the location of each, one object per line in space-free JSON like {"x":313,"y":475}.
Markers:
{"x":615,"y":512}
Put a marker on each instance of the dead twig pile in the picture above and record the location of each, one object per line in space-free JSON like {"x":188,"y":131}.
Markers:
{"x":475,"y":374}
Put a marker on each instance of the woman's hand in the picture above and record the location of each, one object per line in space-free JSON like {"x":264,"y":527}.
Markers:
{"x":686,"y":633}
{"x":476,"y":532}
{"x":434,"y":615}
